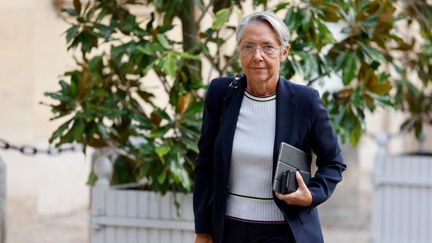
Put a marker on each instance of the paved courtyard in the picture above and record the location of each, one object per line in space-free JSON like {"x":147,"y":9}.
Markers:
{"x":25,"y":226}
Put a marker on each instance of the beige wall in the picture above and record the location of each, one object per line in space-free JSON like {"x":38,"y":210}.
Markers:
{"x":33,"y":55}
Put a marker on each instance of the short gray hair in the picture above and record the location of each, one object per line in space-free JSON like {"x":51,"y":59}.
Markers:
{"x":272,"y":19}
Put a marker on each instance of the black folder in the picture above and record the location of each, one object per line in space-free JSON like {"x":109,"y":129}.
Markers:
{"x":290,"y":160}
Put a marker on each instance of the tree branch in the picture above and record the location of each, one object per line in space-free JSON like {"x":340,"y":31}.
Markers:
{"x":198,"y":22}
{"x":310,"y":82}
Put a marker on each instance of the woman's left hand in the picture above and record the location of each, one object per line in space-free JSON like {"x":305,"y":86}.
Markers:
{"x":301,"y":197}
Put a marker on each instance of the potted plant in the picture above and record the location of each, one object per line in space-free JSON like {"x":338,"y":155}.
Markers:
{"x":136,"y":96}
{"x":137,"y":89}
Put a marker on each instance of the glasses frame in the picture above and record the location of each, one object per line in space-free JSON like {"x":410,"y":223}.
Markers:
{"x":256,"y":47}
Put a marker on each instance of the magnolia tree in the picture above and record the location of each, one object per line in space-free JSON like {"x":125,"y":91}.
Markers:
{"x":380,"y":54}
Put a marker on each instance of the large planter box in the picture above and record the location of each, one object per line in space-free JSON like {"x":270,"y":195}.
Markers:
{"x":132,"y":216}
{"x":136,"y":216}
{"x":402,"y":210}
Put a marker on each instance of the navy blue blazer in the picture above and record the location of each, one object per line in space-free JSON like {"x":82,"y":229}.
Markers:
{"x":301,"y":120}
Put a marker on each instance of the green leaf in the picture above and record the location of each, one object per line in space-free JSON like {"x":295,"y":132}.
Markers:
{"x":195,"y":108}
{"x":169,"y":62}
{"x":186,"y":55}
{"x":161,"y":151}
{"x":158,"y":132}
{"x":325,"y":35}
{"x":122,"y":173}
{"x":71,"y":33}
{"x":162,"y":113}
{"x":350,"y":68}
{"x":72,"y":12}
{"x":64,"y":87}
{"x":156,"y":47}
{"x":355,"y":132}
{"x":104,"y":31}
{"x":59,"y":131}
{"x":280,"y":6}
{"x":95,"y":64}
{"x":306,"y":21}
{"x":88,"y":41}
{"x":73,"y":89}
{"x":178,"y":150}
{"x":162,"y":39}
{"x":373,"y":53}
{"x":191,"y":145}
{"x":162,"y":177}
{"x":185,"y":179}
{"x":384,"y":100}
{"x":118,"y":51}
{"x":92,"y":178}
{"x":192,"y":122}
{"x":78,"y":129}
{"x":330,"y":12}
{"x":356,"y":99}
{"x":220,"y":18}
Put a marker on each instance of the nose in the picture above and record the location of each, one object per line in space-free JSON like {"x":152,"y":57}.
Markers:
{"x":258,"y":53}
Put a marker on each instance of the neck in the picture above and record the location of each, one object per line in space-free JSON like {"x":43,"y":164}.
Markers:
{"x":262,"y":88}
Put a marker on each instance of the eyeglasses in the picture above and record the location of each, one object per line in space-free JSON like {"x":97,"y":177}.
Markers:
{"x":268,"y":49}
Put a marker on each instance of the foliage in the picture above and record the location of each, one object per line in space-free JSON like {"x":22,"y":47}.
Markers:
{"x":109,"y":99}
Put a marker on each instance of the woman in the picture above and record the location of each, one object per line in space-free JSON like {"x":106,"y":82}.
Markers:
{"x":243,"y":127}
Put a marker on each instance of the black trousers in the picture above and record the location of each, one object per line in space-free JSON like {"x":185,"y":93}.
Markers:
{"x":236,"y":231}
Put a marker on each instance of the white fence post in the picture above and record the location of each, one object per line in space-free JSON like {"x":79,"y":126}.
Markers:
{"x":2,"y":201}
{"x":382,"y":139}
{"x":103,"y":169}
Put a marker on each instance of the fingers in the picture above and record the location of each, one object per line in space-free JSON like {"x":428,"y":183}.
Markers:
{"x":300,"y":180}
{"x":287,"y":198}
{"x":301,"y":197}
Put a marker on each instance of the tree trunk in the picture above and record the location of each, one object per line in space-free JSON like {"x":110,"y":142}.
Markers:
{"x":190,"y":30}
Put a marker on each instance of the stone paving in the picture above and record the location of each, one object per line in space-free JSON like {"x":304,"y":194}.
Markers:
{"x":25,"y":226}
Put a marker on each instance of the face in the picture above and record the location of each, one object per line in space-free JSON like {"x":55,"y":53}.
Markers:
{"x":260,"y":54}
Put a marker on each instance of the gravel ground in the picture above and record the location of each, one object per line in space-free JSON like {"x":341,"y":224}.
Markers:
{"x":25,"y":226}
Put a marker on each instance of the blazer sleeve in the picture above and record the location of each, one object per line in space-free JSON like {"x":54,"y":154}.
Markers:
{"x":203,"y":186}
{"x":324,"y":144}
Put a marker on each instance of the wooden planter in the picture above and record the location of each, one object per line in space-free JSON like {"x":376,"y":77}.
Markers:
{"x":402,"y":210}
{"x":132,"y":216}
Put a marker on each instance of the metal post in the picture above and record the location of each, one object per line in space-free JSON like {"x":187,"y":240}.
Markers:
{"x":2,"y":201}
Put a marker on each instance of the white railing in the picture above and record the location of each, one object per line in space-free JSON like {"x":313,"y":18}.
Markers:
{"x":132,"y":216}
{"x":402,"y":210}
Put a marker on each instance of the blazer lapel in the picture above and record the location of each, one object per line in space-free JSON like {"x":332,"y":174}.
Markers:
{"x":285,"y":115}
{"x":232,"y":109}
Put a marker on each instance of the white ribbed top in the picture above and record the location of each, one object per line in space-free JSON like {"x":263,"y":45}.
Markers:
{"x":250,"y":197}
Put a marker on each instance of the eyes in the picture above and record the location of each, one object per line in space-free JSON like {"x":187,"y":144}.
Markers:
{"x":248,"y":48}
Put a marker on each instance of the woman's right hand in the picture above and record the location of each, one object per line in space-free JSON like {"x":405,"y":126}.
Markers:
{"x":203,"y":238}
